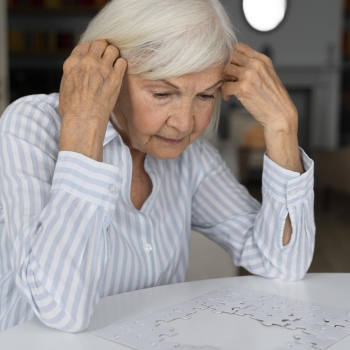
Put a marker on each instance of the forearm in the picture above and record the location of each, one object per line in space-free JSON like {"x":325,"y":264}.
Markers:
{"x":282,"y":148}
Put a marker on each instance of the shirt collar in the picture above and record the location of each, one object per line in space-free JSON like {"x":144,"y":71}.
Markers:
{"x":111,"y":134}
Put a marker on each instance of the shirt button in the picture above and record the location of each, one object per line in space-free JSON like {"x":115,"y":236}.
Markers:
{"x":113,"y":189}
{"x":148,"y":247}
{"x":108,"y":229}
{"x":293,"y":193}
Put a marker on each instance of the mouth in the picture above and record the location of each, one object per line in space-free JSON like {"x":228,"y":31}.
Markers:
{"x":170,"y":141}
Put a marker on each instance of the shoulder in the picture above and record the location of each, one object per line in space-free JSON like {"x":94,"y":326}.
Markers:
{"x":34,"y":110}
{"x":33,"y":120}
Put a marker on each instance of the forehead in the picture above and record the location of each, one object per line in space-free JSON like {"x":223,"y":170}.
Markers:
{"x":197,"y":81}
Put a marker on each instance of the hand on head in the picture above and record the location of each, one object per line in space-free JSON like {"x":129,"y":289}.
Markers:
{"x":252,"y":78}
{"x":92,"y":77}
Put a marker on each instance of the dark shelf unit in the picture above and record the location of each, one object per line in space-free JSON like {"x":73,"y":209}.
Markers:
{"x":345,"y":80}
{"x":42,"y":33}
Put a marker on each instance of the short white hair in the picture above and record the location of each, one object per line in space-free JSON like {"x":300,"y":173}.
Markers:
{"x":164,"y":39}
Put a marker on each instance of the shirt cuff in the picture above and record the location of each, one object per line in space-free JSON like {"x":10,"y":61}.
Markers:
{"x":88,"y":179}
{"x":285,"y":185}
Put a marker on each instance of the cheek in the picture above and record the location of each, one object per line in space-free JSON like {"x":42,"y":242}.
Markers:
{"x":146,"y":117}
{"x":203,"y":118}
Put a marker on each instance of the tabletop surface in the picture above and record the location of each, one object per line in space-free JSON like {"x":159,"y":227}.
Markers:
{"x":204,"y":328}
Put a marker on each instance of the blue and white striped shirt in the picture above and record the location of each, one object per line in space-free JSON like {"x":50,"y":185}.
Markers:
{"x":69,"y":234}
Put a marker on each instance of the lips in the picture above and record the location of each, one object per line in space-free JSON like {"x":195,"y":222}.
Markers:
{"x":170,"y":141}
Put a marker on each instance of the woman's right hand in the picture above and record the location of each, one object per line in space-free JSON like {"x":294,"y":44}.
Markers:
{"x":90,"y":86}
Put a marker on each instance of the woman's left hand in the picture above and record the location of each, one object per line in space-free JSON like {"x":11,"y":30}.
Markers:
{"x":252,"y":78}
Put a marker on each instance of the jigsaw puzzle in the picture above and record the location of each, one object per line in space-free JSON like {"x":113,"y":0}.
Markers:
{"x":321,"y":326}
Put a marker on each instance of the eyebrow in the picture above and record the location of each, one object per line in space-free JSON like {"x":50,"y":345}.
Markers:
{"x":177,"y":88}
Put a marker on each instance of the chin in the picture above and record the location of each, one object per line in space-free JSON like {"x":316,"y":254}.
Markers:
{"x":167,"y":154}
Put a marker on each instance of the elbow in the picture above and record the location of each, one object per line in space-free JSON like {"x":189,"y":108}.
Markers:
{"x":62,"y":318}
{"x":67,"y":323}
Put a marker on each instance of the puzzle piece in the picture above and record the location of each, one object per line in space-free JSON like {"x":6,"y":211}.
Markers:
{"x":154,"y":317}
{"x":316,"y":341}
{"x":277,"y":301}
{"x":141,"y":341}
{"x":237,"y":302}
{"x":331,"y":311}
{"x":189,"y":347}
{"x":217,"y":295}
{"x":247,"y":292}
{"x":275,"y":320}
{"x":315,"y":319}
{"x":220,"y":308}
{"x":193,"y":304}
{"x":297,"y":346}
{"x":295,"y":311}
{"x":340,"y":321}
{"x":298,"y":324}
{"x":334,"y":333}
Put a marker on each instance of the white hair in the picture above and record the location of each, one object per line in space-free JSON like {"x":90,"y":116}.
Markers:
{"x":164,"y":39}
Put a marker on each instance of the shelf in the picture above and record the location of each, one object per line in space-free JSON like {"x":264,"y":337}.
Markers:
{"x":74,"y":11}
{"x":26,"y":56}
{"x":37,"y":61}
{"x":346,"y":65}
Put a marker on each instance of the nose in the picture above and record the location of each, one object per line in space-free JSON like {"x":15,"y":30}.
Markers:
{"x":182,"y":117}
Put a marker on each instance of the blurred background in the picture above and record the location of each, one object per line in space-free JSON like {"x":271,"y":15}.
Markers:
{"x":309,"y":44}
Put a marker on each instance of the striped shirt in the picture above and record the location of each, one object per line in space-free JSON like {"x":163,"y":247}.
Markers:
{"x":69,"y":234}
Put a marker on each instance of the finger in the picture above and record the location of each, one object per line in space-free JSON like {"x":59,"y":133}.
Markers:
{"x":254,"y":64}
{"x":81,"y":49}
{"x":240,"y":59}
{"x":233,"y":73}
{"x":244,"y":51}
{"x":229,"y":89}
{"x":110,"y":55}
{"x":98,"y":48}
{"x":120,"y":66}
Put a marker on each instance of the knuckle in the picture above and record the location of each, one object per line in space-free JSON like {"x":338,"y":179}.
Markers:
{"x":69,"y":63}
{"x":83,"y":44}
{"x":250,"y":75}
{"x":268,"y":61}
{"x":244,"y":88}
{"x":258,"y":65}
{"x":113,"y":49}
{"x":89,"y":61}
{"x":100,"y":42}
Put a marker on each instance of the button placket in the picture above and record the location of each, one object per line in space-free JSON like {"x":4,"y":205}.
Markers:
{"x":293,"y":193}
{"x":113,"y":189}
{"x":148,"y":248}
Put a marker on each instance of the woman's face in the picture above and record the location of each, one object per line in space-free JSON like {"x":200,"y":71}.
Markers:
{"x":163,"y":117}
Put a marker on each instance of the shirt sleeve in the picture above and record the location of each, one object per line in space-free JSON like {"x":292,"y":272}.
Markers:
{"x":251,"y":232}
{"x":57,"y":211}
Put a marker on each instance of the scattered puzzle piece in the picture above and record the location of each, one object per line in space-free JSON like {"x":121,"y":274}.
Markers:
{"x":316,"y":341}
{"x":297,"y":346}
{"x":327,"y":332}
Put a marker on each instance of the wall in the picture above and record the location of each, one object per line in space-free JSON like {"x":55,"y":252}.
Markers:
{"x":309,"y":35}
{"x":308,"y":42}
{"x":3,"y":57}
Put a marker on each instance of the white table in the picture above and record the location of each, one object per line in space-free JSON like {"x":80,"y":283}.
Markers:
{"x":222,"y":330}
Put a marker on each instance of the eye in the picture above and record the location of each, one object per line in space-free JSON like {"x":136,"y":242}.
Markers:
{"x":206,"y":97}
{"x":161,"y":95}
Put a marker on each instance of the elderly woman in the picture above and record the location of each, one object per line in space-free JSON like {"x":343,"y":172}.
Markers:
{"x":102,"y":183}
